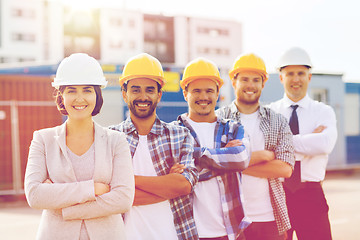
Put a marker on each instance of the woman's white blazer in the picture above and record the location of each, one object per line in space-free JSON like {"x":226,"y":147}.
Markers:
{"x":66,"y":202}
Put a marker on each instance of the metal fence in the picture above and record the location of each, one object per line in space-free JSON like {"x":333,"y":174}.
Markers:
{"x":18,"y":121}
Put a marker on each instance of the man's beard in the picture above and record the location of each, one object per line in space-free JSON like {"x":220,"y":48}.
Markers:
{"x":247,"y":101}
{"x":142,"y":114}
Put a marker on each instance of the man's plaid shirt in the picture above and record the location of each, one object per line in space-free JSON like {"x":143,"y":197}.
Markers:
{"x":169,"y":144}
{"x":226,"y":165}
{"x":278,"y":138}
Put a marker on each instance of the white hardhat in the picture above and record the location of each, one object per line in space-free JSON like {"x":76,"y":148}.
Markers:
{"x":79,"y":69}
{"x":294,"y":56}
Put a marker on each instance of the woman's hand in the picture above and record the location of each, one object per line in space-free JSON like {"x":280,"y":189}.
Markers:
{"x":101,"y":188}
{"x":47,"y":181}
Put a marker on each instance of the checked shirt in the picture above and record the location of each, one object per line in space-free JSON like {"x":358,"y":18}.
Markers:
{"x":278,"y":138}
{"x":226,"y":165}
{"x":169,"y":144}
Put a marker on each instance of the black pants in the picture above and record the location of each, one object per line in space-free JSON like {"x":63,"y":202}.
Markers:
{"x":262,"y":231}
{"x":308,"y":212}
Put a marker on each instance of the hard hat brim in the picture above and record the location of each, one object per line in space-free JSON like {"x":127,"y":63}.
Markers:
{"x":219,"y":82}
{"x":57,"y":83}
{"x":279,"y":68}
{"x":263,"y":74}
{"x":157,"y":79}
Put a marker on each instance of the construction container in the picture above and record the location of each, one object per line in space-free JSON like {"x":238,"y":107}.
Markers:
{"x":26,"y":105}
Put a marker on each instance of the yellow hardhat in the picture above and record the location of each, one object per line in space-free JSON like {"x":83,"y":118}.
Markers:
{"x":200,"y":68}
{"x":143,"y":66}
{"x":249,"y":62}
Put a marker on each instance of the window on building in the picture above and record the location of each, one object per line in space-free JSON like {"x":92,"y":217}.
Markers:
{"x":26,"y":59}
{"x":23,"y":37}
{"x":214,"y":51}
{"x":224,"y":32}
{"x":132,"y":23}
{"x":25,"y":13}
{"x":116,"y":22}
{"x":132,"y":45}
{"x":203,"y":50}
{"x":162,"y":48}
{"x":4,"y":60}
{"x":84,"y":44}
{"x":115,"y":44}
{"x":16,"y":12}
{"x":16,"y":37}
{"x":82,"y":32}
{"x":319,"y":94}
{"x":213,"y":32}
{"x":150,"y":29}
{"x":161,"y":29}
{"x":159,"y":37}
{"x":202,"y":30}
{"x":30,"y":13}
{"x":150,"y":47}
{"x":79,"y":44}
{"x":352,"y":114}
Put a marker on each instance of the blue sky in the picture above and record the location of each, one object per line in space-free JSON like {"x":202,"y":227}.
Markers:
{"x":328,"y":30}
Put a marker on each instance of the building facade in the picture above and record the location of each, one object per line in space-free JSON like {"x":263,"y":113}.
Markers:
{"x":42,"y":30}
{"x":21,"y":31}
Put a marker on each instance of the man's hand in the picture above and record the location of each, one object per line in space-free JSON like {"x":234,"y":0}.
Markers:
{"x":177,"y":168}
{"x":101,"y":188}
{"x":234,"y":143}
{"x":47,"y":181}
{"x":319,"y":129}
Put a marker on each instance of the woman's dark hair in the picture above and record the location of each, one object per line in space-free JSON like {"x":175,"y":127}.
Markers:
{"x":60,"y":102}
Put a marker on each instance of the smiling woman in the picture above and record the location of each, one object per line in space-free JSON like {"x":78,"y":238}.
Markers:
{"x":79,"y":171}
{"x":73,"y":91}
{"x":79,"y":101}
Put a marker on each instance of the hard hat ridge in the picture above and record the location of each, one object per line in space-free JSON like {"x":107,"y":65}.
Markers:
{"x":79,"y":69}
{"x":143,"y":66}
{"x":201,"y":68}
{"x":248,"y":62}
{"x":294,"y":56}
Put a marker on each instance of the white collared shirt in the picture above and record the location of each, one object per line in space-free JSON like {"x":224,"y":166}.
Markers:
{"x":312,"y":149}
